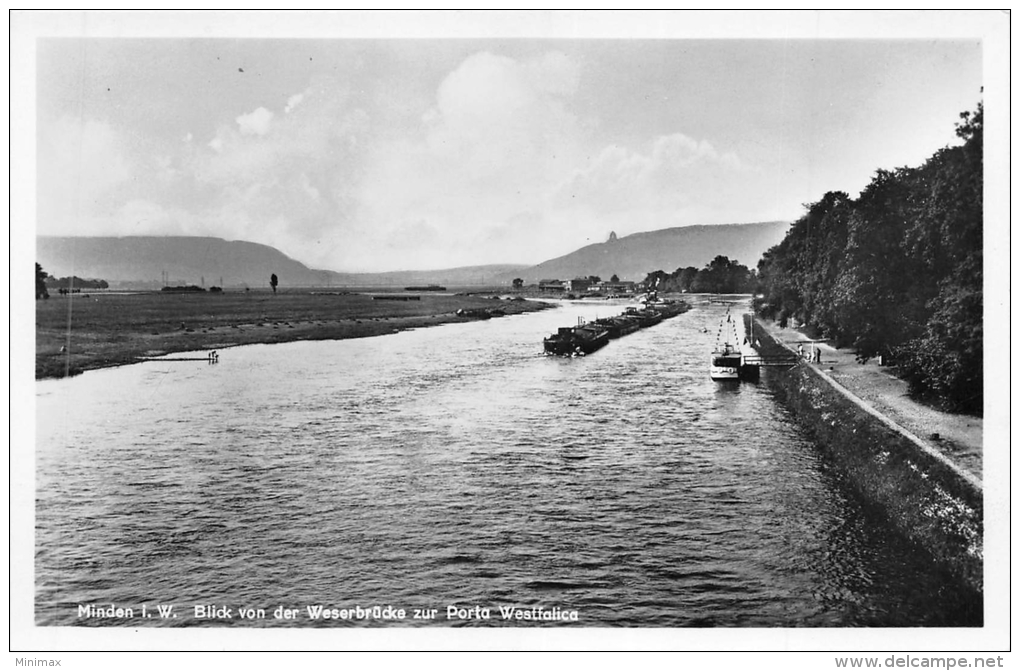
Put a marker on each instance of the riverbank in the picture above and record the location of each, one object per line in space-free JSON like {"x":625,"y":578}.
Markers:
{"x":99,"y":330}
{"x":957,"y":437}
{"x":919,"y":487}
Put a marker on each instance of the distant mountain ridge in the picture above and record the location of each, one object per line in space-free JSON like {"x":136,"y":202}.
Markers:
{"x":141,"y":261}
{"x":184,"y":259}
{"x":634,"y":256}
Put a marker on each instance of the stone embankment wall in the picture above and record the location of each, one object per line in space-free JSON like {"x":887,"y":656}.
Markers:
{"x":931,"y":503}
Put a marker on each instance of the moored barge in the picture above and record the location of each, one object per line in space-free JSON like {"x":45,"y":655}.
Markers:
{"x":577,"y":340}
{"x":586,"y":338}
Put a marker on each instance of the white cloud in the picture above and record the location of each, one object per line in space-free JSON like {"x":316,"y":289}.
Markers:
{"x":493,"y":110}
{"x":675,"y":172}
{"x":505,"y":161}
{"x":293,"y":102}
{"x":81,"y":164}
{"x":285,"y":181}
{"x":256,"y":122}
{"x":499,"y":134}
{"x":291,"y":186}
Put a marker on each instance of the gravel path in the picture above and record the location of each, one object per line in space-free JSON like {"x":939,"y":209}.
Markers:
{"x":958,"y":437}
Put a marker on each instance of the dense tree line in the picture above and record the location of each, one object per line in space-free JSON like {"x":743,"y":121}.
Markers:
{"x":190,"y":288}
{"x":721,"y":276}
{"x":896,"y":272}
{"x":74,"y":283}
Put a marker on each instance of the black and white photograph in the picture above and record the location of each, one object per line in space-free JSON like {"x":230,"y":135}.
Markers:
{"x":511,"y":330}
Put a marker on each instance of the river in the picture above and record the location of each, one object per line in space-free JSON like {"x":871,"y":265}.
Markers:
{"x":456,"y":466}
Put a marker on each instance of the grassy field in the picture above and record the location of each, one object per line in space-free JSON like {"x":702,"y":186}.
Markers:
{"x":108,"y":329}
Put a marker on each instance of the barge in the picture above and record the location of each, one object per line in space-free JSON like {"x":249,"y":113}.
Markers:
{"x":586,"y":338}
{"x":577,"y":340}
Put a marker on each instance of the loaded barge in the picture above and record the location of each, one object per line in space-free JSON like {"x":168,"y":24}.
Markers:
{"x":577,"y":340}
{"x":586,"y":338}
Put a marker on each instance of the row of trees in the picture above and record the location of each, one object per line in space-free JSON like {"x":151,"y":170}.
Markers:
{"x":896,"y":272}
{"x":721,"y":276}
{"x":75,"y":283}
{"x":44,"y":282}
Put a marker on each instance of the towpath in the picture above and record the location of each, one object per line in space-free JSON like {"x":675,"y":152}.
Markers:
{"x":957,"y":437}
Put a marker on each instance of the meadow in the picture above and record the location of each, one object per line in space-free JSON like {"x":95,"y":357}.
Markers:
{"x":99,"y":329}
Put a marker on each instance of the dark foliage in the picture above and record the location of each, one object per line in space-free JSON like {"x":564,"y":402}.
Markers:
{"x":40,"y":282}
{"x":896,"y":272}
{"x":721,"y":276}
{"x":74,"y":283}
{"x":191,"y":288}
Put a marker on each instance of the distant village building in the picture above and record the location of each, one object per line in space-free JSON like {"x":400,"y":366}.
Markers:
{"x":579,"y":285}
{"x":618,"y":287}
{"x":612,"y":236}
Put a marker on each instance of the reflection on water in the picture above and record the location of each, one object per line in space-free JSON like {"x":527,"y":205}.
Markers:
{"x":458,"y":465}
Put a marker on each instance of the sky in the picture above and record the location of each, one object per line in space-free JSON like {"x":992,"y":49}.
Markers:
{"x":410,"y":141}
{"x":374,"y":153}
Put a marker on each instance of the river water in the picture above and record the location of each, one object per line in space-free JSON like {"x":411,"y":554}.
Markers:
{"x":456,"y":466}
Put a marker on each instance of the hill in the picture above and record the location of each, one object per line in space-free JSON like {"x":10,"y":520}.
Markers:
{"x":141,"y":261}
{"x":634,"y":256}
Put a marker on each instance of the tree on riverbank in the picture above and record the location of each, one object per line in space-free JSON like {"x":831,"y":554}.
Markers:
{"x":721,"y":276}
{"x":74,"y":283}
{"x":40,"y":282}
{"x":897,"y":272}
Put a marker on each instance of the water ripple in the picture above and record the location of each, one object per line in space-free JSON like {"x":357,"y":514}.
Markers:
{"x":457,"y":466}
